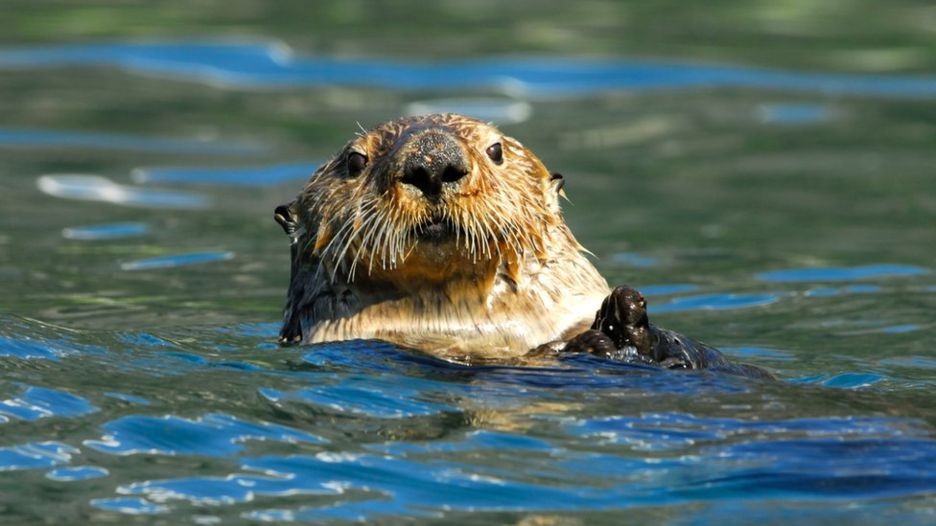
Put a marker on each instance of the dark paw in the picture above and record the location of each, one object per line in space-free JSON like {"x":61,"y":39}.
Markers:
{"x":592,"y":342}
{"x":623,"y":317}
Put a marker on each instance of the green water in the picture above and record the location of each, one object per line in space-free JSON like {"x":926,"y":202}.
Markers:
{"x":703,"y":187}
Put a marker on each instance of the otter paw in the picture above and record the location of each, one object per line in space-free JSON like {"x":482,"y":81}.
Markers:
{"x":623,"y":317}
{"x":592,"y":342}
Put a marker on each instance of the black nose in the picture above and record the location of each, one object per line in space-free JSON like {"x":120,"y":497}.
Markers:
{"x":433,"y":158}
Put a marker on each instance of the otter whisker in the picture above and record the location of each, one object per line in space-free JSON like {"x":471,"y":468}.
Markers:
{"x":370,"y":219}
{"x":345,"y":235}
{"x":373,"y":228}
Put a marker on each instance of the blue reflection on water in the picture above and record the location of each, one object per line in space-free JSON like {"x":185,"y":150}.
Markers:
{"x":669,"y":288}
{"x":492,"y":384}
{"x":501,"y":111}
{"x":724,"y":458}
{"x":129,"y":505}
{"x":26,"y":348}
{"x":38,"y":402}
{"x":836,"y":291}
{"x":847,"y":380}
{"x":255,"y":65}
{"x":841,"y":273}
{"x":746,"y":353}
{"x":35,"y":455}
{"x":635,"y":260}
{"x":105,"y":231}
{"x":132,"y":399}
{"x":786,"y":113}
{"x":176,"y":260}
{"x":376,"y":397}
{"x":28,"y":339}
{"x":898,"y":329}
{"x":111,"y":142}
{"x":238,"y":176}
{"x":717,"y":301}
{"x":76,"y":473}
{"x":96,"y":188}
{"x":212,"y":435}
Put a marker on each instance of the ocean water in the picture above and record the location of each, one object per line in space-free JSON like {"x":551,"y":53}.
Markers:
{"x":778,"y":205}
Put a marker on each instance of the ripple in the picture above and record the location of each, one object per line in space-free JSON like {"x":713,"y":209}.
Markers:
{"x":673,"y":431}
{"x":837,"y":291}
{"x":914,"y":362}
{"x":144,"y":339}
{"x":273,"y":65}
{"x":39,"y":402}
{"x":77,"y":473}
{"x":111,"y":142}
{"x":96,"y":188}
{"x":635,"y":260}
{"x":105,"y":231}
{"x":35,"y":455}
{"x":262,"y":330}
{"x":210,"y":435}
{"x":177,"y":260}
{"x":900,"y":329}
{"x":793,"y":114}
{"x":232,"y":489}
{"x":497,"y":442}
{"x":715,"y":302}
{"x":129,"y":505}
{"x":133,"y":399}
{"x":841,"y":273}
{"x":758,"y":353}
{"x":28,"y":348}
{"x":847,"y":380}
{"x":249,"y":176}
{"x":826,"y":467}
{"x":502,"y":111}
{"x":667,"y":289}
{"x":367,"y":396}
{"x":853,"y":380}
{"x":841,"y":457}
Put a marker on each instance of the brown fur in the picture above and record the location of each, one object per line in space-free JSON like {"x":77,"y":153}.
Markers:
{"x":511,"y":279}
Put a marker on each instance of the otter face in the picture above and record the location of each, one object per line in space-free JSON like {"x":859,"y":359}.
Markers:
{"x":434,"y":196}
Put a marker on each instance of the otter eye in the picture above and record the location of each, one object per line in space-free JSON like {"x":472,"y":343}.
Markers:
{"x":495,"y":152}
{"x":356,"y":163}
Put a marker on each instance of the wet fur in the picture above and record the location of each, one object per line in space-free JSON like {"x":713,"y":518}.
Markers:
{"x":511,"y":278}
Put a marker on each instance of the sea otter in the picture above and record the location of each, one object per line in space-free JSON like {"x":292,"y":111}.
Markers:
{"x":442,"y":234}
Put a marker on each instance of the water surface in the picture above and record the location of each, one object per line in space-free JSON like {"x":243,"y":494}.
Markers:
{"x":778,"y":206}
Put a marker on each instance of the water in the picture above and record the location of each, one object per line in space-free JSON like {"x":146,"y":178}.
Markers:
{"x":778,"y":205}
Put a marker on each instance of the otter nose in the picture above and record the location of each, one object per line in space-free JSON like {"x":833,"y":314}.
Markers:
{"x":434,"y":158}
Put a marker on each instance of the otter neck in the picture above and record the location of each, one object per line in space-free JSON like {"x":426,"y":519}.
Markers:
{"x":457,"y":278}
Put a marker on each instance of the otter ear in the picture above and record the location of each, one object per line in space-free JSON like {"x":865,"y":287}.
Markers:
{"x":558,"y":183}
{"x":285,"y":215}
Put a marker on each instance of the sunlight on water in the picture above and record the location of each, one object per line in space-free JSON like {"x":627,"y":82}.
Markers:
{"x":236,"y":175}
{"x":248,"y":65}
{"x":213,"y":434}
{"x":97,"y":188}
{"x":715,"y":302}
{"x":177,"y":260}
{"x":842,"y":273}
{"x":76,"y":473}
{"x":494,"y":110}
{"x":83,"y":141}
{"x":105,"y":231}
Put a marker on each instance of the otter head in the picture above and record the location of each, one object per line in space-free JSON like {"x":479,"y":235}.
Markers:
{"x":421,"y":218}
{"x":437,"y":196}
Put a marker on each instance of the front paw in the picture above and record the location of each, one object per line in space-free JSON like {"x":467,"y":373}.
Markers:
{"x":623,"y":317}
{"x":591,"y":342}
